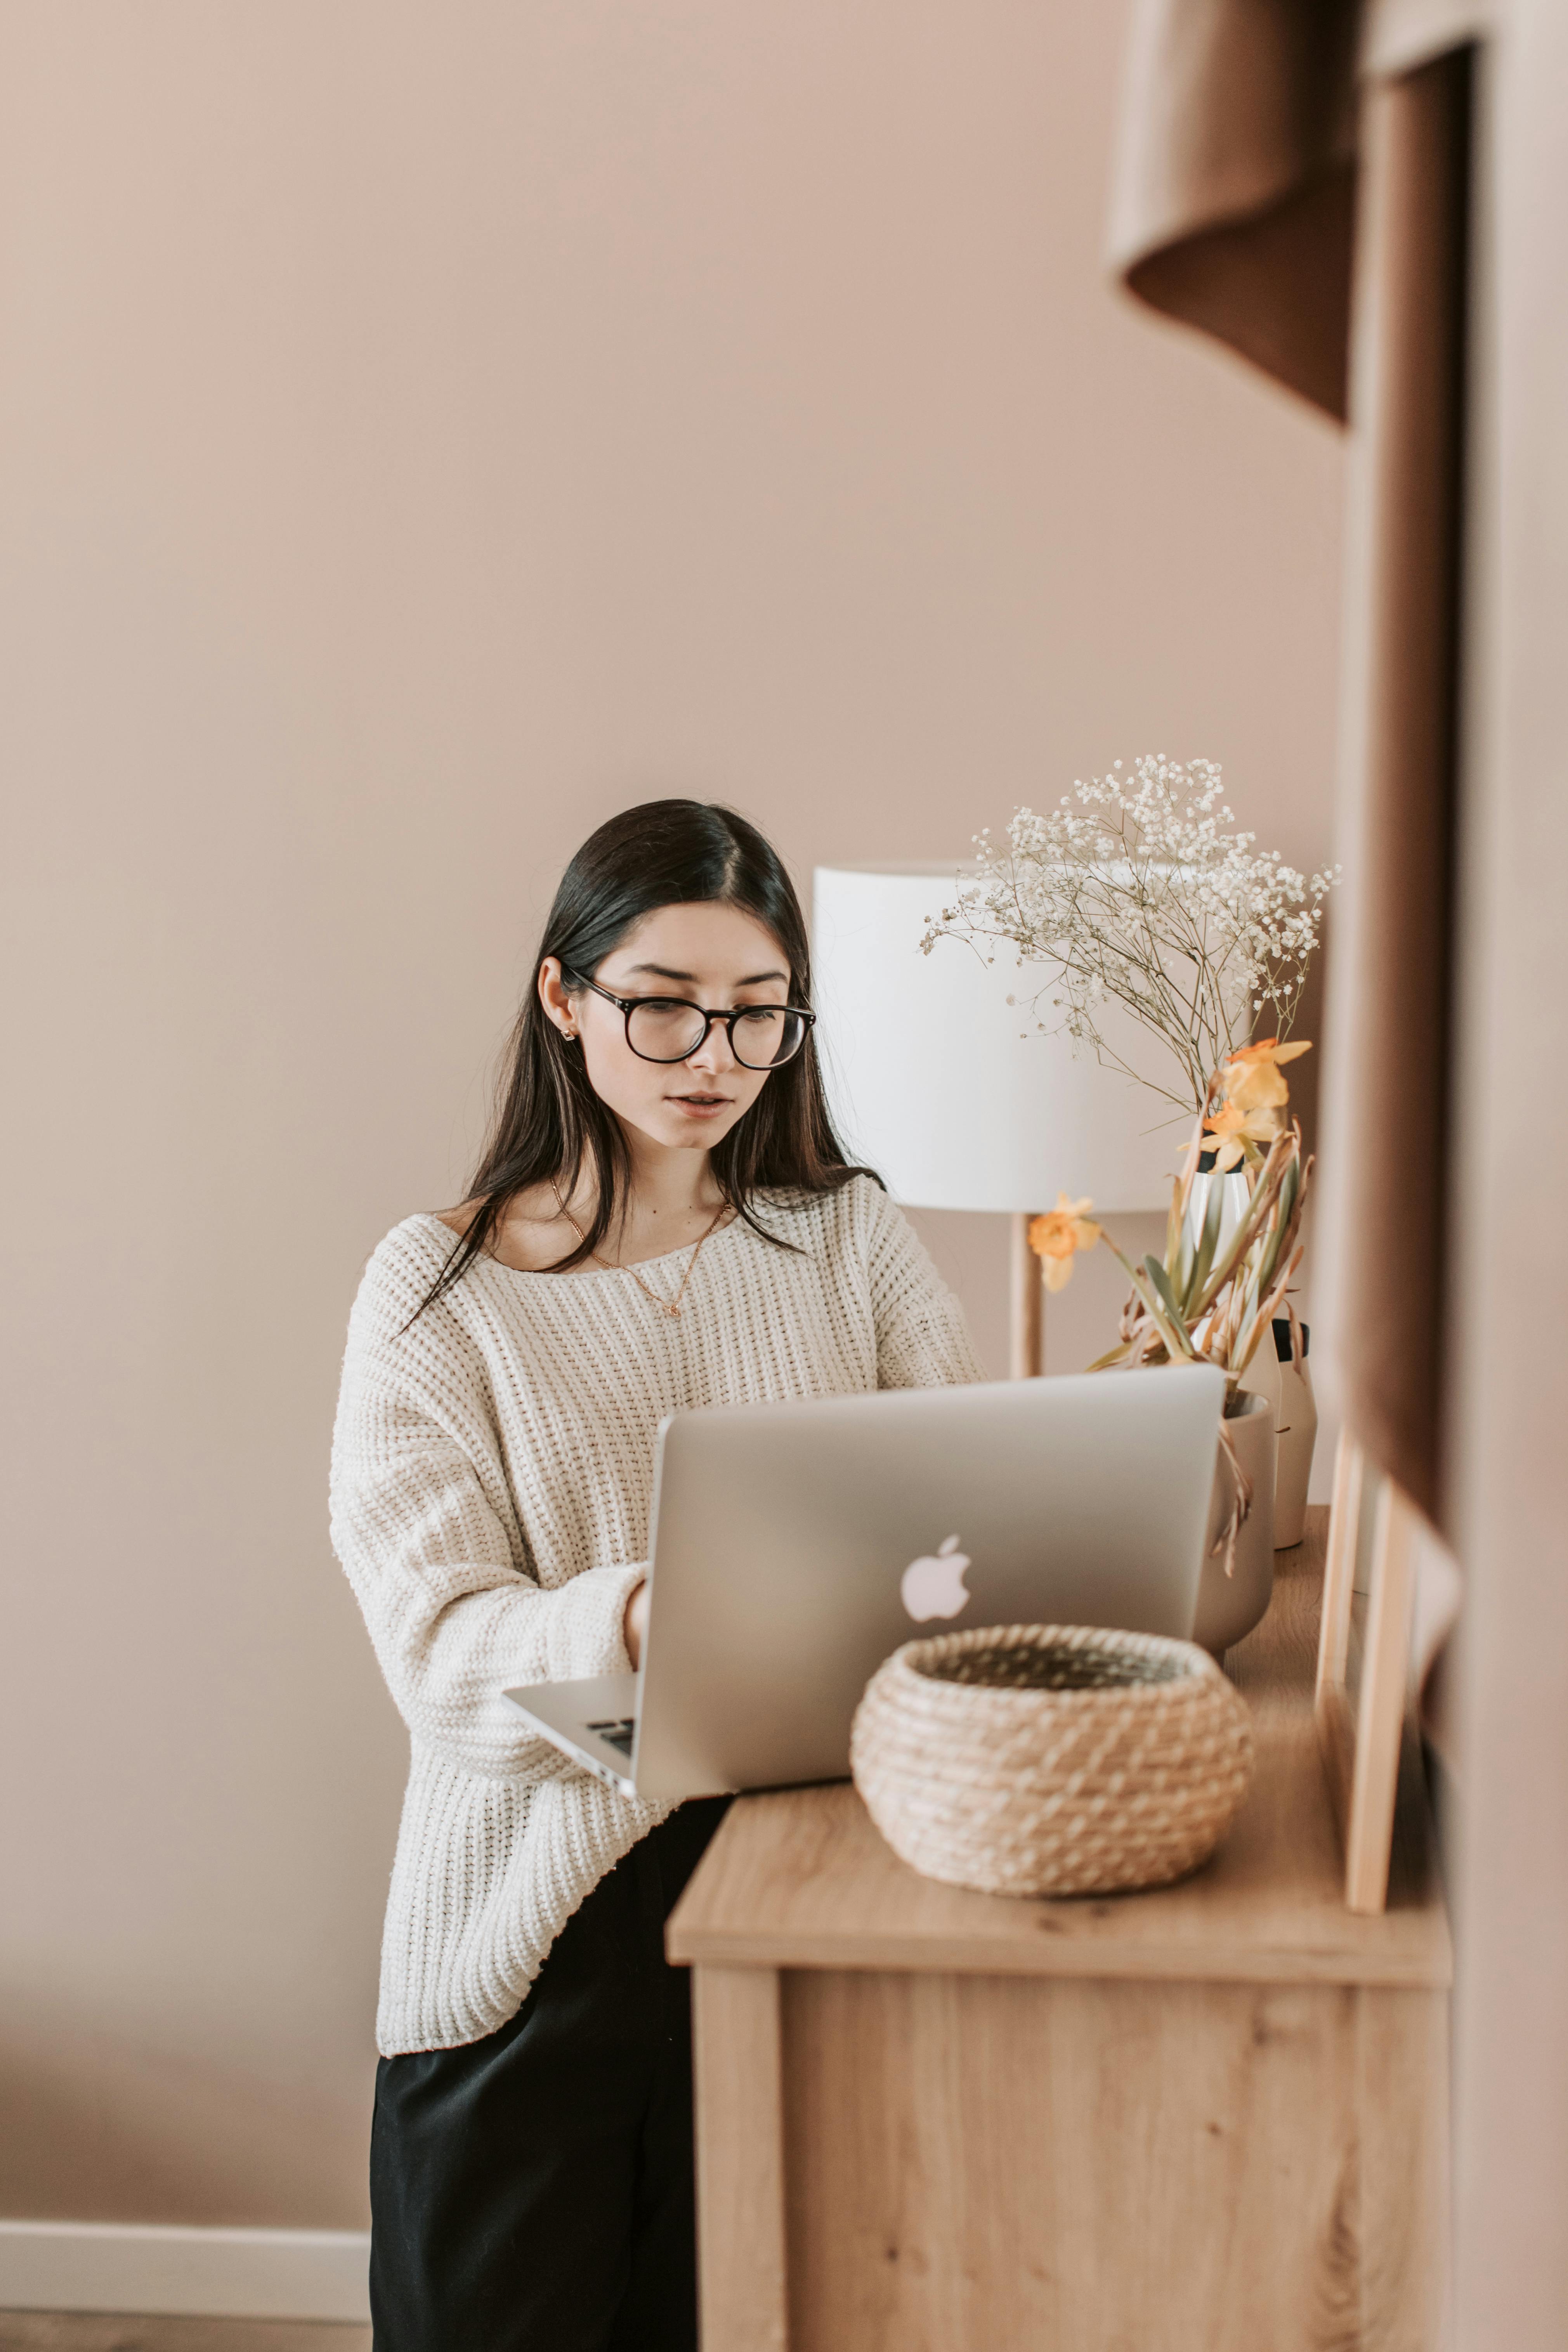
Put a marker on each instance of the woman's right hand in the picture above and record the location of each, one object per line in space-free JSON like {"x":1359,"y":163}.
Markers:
{"x":636,"y":1622}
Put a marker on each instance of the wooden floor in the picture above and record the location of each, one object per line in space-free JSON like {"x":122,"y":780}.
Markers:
{"x":68,"y":2331}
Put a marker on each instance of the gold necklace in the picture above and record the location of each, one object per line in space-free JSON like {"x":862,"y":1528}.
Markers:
{"x":662,"y":1304}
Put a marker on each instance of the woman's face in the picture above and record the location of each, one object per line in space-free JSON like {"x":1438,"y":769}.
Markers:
{"x":717,"y":956}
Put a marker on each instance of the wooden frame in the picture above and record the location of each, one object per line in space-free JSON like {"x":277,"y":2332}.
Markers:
{"x":1374,"y":1528}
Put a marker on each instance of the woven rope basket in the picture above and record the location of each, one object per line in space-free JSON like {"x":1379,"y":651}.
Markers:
{"x":1051,"y":1760}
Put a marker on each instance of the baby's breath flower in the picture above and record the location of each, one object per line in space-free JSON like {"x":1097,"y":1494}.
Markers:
{"x":1140,"y":890}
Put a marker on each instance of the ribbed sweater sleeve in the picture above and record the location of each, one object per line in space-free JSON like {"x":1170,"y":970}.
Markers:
{"x":424,"y":1528}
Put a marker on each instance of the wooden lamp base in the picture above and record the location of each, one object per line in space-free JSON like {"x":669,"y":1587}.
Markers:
{"x":1027,"y":1320}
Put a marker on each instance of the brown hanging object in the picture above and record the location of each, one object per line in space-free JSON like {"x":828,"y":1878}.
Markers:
{"x":1235,"y":195}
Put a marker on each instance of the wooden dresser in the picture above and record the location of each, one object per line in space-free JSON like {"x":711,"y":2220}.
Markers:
{"x":1212,"y":2118}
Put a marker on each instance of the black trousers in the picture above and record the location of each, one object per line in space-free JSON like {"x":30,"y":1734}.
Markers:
{"x":533,"y":2191}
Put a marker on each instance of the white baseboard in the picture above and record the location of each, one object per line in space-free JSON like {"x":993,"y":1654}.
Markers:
{"x":211,"y":2273}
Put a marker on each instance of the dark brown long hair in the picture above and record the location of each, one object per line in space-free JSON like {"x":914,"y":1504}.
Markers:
{"x":549,"y":1122}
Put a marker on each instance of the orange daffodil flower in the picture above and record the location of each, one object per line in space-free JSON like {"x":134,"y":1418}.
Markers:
{"x":1233,"y":1128}
{"x":1253,"y":1092}
{"x":1057,"y":1236}
{"x":1252,"y":1077}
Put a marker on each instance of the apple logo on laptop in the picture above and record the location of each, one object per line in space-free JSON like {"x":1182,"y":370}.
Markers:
{"x":933,"y":1585}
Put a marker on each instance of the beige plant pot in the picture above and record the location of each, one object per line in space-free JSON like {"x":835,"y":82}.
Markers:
{"x":1288,"y":1387}
{"x":1296,"y":1425}
{"x":1230,"y":1606}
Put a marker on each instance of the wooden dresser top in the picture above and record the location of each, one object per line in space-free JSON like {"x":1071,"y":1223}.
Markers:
{"x":800,"y":1879}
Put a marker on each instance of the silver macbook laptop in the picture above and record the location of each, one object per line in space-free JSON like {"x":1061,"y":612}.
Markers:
{"x":795,"y":1545}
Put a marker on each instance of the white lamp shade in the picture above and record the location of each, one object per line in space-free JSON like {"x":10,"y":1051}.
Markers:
{"x":950,"y":1093}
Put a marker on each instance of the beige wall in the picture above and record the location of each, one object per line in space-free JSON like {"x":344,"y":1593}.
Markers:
{"x":425,"y":429}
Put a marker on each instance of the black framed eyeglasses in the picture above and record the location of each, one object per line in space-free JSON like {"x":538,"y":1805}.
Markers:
{"x":671,"y":1028}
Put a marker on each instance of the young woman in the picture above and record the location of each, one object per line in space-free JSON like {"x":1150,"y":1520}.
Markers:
{"x":662,"y":1217}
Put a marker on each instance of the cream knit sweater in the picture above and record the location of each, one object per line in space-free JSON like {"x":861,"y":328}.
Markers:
{"x":492,"y":1476}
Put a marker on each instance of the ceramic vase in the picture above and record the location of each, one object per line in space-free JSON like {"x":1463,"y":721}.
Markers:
{"x":1230,"y":1606}
{"x":1236,"y":1194}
